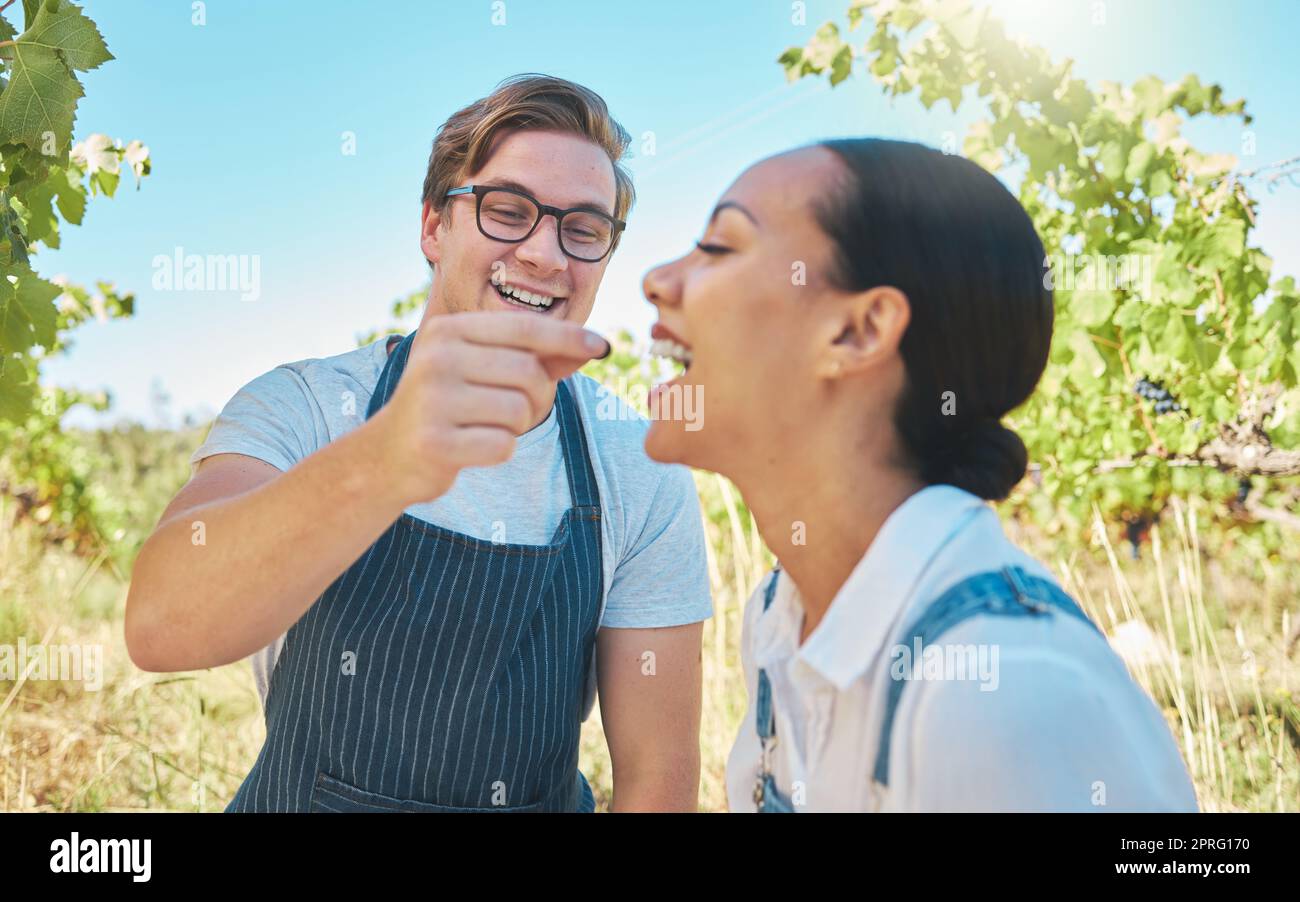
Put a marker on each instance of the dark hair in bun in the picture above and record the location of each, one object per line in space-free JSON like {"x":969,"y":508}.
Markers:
{"x":958,"y":244}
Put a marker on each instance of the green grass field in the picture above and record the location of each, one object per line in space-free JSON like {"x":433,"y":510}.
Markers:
{"x":183,"y":742}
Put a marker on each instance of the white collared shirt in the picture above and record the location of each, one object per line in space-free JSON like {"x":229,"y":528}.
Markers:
{"x":1050,"y":720}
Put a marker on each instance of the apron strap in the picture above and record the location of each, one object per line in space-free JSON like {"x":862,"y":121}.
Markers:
{"x":573,"y":441}
{"x":392,"y":371}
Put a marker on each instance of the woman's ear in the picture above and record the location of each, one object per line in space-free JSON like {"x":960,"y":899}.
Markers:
{"x":870,"y":327}
{"x":430,"y":220}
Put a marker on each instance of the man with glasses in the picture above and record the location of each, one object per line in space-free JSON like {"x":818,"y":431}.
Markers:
{"x":434,"y":547}
{"x":513,"y":214}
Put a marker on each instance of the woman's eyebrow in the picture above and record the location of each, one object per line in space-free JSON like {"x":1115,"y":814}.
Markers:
{"x":732,"y":205}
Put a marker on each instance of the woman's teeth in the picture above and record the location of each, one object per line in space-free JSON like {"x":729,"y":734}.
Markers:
{"x":510,"y":292}
{"x":666,"y":347}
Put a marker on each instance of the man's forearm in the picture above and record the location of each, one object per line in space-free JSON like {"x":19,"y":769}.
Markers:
{"x":265,"y":556}
{"x":671,"y":786}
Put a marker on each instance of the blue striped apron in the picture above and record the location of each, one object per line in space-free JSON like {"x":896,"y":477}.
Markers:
{"x":1009,"y":592}
{"x":441,"y":672}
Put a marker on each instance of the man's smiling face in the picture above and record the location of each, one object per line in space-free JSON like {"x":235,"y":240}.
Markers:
{"x":557,"y":168}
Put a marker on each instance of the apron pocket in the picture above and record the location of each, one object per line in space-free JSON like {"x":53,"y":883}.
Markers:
{"x":331,"y":794}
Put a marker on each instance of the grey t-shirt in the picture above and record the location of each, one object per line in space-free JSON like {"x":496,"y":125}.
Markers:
{"x":652,"y":538}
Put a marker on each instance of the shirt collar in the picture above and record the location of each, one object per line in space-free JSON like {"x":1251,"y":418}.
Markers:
{"x":864,"y":611}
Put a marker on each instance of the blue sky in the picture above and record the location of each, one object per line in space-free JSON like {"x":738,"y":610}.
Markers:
{"x":244,"y":118}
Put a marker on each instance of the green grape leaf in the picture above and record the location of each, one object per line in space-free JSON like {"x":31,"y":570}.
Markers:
{"x":1245,"y":356}
{"x":30,"y":9}
{"x":855,"y":13}
{"x":1111,"y":159}
{"x":1284,"y":424}
{"x":17,"y":389}
{"x":1161,"y":183}
{"x":27,"y":313}
{"x":1150,"y":96}
{"x":65,"y":29}
{"x":1224,"y":410}
{"x":42,"y":224}
{"x":1139,"y":161}
{"x":1129,"y":315}
{"x":823,"y":47}
{"x":907,"y":17}
{"x":1207,"y":352}
{"x":792,"y":62}
{"x":11,"y":231}
{"x":41,"y":97}
{"x":1088,"y":365}
{"x":1174,"y":340}
{"x":884,"y":64}
{"x":1092,"y":308}
{"x":841,"y":65}
{"x":106,"y":180}
{"x":70,"y":194}
{"x":1218,"y":244}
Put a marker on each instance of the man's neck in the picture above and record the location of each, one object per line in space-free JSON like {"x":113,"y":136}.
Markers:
{"x":545,"y":413}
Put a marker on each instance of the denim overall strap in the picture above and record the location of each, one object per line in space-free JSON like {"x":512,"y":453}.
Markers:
{"x":1010,"y":592}
{"x":441,"y":672}
{"x":767,"y":798}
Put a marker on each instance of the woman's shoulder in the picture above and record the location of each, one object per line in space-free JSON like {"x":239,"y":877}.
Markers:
{"x":978,"y":551}
{"x":982,"y":563}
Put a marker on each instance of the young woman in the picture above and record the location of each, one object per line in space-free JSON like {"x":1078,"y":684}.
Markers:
{"x":856,"y":321}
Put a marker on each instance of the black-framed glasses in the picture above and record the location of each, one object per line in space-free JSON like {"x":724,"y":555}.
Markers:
{"x":504,"y":214}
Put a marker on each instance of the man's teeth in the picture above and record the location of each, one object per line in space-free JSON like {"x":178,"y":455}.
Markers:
{"x":524,"y":297}
{"x":666,"y":347}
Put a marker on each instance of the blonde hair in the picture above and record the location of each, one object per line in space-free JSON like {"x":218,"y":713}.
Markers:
{"x":525,"y":101}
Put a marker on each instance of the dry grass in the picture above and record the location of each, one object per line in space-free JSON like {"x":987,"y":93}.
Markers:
{"x":1229,"y":687}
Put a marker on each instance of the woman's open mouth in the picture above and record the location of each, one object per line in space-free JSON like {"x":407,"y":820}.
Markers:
{"x":516,"y":296}
{"x":668,"y":349}
{"x":674,"y":398}
{"x":667,"y":346}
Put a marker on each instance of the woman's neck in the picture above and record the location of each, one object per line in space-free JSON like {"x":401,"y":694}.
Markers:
{"x":819,"y":519}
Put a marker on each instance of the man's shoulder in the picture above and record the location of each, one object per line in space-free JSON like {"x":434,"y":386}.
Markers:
{"x":362,"y":364}
{"x":346,"y":378}
{"x":313,"y":386}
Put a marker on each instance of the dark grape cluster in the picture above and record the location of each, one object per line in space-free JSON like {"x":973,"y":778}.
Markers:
{"x":1137,"y":528}
{"x":1134,"y":528}
{"x":1154,"y":391}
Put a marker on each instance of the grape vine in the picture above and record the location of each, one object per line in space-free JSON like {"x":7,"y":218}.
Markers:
{"x":1150,"y":259}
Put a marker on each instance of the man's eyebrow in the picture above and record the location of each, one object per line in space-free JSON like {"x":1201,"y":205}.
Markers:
{"x":732,"y":205}
{"x":594,"y":206}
